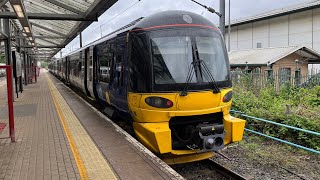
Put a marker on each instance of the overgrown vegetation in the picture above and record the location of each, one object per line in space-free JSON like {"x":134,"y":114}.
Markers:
{"x":299,"y":107}
{"x":2,"y":59}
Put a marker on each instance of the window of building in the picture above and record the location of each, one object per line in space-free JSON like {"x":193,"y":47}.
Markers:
{"x":259,"y":45}
{"x":284,"y":75}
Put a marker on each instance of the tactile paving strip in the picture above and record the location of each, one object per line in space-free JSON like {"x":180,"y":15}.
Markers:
{"x":90,"y":162}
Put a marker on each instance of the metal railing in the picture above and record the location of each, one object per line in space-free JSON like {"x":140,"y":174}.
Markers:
{"x":282,"y":125}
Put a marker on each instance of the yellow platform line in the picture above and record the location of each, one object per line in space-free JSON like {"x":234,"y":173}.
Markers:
{"x":90,"y":162}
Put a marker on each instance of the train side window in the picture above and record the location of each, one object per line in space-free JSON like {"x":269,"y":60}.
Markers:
{"x":119,"y":70}
{"x":112,"y":62}
{"x":79,"y":68}
{"x":105,"y":57}
{"x":121,"y":43}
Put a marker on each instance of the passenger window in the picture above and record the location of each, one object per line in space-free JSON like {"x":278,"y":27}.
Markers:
{"x":121,"y":43}
{"x":119,"y":70}
{"x":80,"y":68}
{"x":113,"y":58}
{"x":105,"y":57}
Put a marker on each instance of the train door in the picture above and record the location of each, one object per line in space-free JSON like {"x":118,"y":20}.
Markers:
{"x":118,"y":88}
{"x":86,"y":70}
{"x":89,"y":62}
{"x":68,"y":70}
{"x":65,"y":69}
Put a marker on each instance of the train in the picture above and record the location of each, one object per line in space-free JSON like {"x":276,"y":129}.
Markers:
{"x":169,"y":75}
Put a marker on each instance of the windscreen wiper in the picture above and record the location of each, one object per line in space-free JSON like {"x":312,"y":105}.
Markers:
{"x":208,"y":75}
{"x":206,"y":72}
{"x":191,"y":72}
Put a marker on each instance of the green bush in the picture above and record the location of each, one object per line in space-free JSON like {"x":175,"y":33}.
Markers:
{"x":267,"y":103}
{"x":2,"y":59}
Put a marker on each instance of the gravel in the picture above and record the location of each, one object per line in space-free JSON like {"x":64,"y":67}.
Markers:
{"x":260,"y":158}
{"x":257,"y":158}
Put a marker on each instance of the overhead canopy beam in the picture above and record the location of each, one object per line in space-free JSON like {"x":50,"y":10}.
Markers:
{"x":47,"y":29}
{"x":2,"y":33}
{"x":64,"y":6}
{"x":40,"y":54}
{"x":46,"y":16}
{"x":40,"y":47}
{"x":44,"y":37}
{"x":3,"y":2}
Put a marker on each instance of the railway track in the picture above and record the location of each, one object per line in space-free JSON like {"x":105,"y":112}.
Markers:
{"x":225,"y":171}
{"x":206,"y":169}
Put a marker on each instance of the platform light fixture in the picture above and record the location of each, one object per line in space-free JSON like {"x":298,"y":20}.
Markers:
{"x":18,"y":9}
{"x":26,"y":29}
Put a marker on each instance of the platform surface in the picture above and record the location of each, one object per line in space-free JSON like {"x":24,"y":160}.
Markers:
{"x":60,"y":136}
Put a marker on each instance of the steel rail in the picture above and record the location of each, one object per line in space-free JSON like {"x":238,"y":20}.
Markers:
{"x":228,"y":173}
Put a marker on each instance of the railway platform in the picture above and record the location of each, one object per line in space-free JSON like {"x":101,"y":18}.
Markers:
{"x":61,"y":136}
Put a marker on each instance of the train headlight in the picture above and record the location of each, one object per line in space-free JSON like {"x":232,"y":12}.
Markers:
{"x":158,"y":102}
{"x":227,"y":97}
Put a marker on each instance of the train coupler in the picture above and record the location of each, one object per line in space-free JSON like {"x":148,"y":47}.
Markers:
{"x":212,"y":137}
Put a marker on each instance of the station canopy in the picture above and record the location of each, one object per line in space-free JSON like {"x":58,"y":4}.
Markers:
{"x":49,"y":25}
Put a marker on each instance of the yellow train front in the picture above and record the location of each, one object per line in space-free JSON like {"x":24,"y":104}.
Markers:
{"x":180,"y":89}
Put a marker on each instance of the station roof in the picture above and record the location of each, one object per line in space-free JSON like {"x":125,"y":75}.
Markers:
{"x":277,"y":12}
{"x":52,"y":23}
{"x":265,"y":56}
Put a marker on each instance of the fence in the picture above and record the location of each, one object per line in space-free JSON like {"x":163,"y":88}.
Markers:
{"x":282,"y":125}
{"x":260,"y":80}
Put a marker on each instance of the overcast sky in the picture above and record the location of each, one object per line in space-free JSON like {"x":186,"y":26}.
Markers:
{"x":125,"y":11}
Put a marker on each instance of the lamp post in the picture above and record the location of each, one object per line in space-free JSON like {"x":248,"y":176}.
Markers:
{"x":297,"y":73}
{"x":222,"y":15}
{"x":269,"y":72}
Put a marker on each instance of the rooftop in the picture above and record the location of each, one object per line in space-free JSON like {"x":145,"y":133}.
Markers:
{"x":277,"y":12}
{"x":264,"y":56}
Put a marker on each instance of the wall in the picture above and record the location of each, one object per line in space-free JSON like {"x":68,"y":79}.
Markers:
{"x":289,"y":62}
{"x":301,"y":28}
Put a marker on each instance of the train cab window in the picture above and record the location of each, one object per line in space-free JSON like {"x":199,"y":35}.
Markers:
{"x":211,"y":51}
{"x":139,"y":63}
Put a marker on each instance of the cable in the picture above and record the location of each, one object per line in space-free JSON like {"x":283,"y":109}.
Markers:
{"x":119,"y":13}
{"x":210,"y":9}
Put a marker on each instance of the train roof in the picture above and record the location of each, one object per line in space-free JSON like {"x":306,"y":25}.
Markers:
{"x":173,"y":17}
